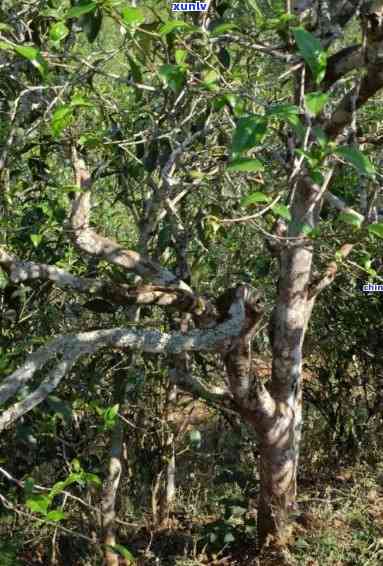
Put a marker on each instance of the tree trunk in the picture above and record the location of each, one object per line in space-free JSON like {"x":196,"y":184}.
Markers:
{"x":171,"y":475}
{"x":277,"y":491}
{"x":281,"y":440}
{"x":112,"y":481}
{"x":108,"y":503}
{"x":168,"y":491}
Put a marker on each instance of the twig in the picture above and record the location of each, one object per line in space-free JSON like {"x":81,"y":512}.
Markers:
{"x":251,"y":217}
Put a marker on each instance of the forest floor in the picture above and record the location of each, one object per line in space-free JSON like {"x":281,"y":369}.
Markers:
{"x":339,"y":522}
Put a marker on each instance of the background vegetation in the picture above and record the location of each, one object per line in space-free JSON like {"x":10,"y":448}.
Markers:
{"x":128,"y":85}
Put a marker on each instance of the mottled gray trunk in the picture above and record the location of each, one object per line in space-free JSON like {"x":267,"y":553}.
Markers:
{"x":171,"y":475}
{"x":108,"y":503}
{"x":280,"y":442}
{"x":112,"y":481}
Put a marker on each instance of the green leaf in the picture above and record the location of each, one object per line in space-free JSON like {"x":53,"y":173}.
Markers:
{"x":289,"y":113}
{"x":213,"y":224}
{"x":309,"y":156}
{"x":209,"y":77}
{"x":58,"y":31}
{"x":55,"y":13}
{"x":317,"y":177}
{"x":351,"y":218}
{"x":29,"y":53}
{"x":61,"y":119}
{"x":224,"y":58}
{"x":356,"y":158}
{"x":29,"y":486}
{"x":38,"y":504}
{"x":111,"y":416}
{"x":376,"y":230}
{"x":173,"y":76}
{"x":78,"y":100}
{"x":75,"y":465}
{"x":78,"y":11}
{"x":181,"y":56}
{"x":4,"y":280}
{"x":256,"y":8}
{"x":92,"y":479}
{"x":303,"y":228}
{"x":58,"y":488}
{"x":175,"y":25}
{"x":312,"y":52}
{"x":5,"y":27}
{"x":315,"y":102}
{"x":133,"y":16}
{"x":34,"y":56}
{"x":122,"y":551}
{"x":249,"y":132}
{"x":56,"y":515}
{"x":244,"y":164}
{"x":6,"y":46}
{"x":286,"y":111}
{"x":321,"y":137}
{"x":36,"y":239}
{"x":223,"y":28}
{"x":255,"y":198}
{"x":282,"y":210}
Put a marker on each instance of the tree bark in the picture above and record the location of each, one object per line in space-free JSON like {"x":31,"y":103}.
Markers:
{"x":108,"y":503}
{"x":279,"y":452}
{"x":112,"y":481}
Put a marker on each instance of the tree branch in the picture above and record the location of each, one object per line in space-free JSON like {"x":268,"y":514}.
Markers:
{"x":71,"y":347}
{"x":373,"y":81}
{"x":342,"y":115}
{"x":340,"y":205}
{"x":341,"y":63}
{"x":189,"y":382}
{"x":320,"y":283}
{"x":88,"y":241}
{"x":118,"y":294}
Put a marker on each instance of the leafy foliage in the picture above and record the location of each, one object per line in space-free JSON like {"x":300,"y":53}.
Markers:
{"x":182,"y":123}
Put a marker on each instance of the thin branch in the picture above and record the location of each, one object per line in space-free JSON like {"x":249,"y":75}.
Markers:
{"x":319,"y":284}
{"x":37,"y":487}
{"x":9,"y":505}
{"x":257,"y":46}
{"x":191,"y":383}
{"x":340,"y":205}
{"x":323,"y":189}
{"x":252,"y":216}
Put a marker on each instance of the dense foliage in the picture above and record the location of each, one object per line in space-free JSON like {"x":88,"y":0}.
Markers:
{"x":194,"y":134}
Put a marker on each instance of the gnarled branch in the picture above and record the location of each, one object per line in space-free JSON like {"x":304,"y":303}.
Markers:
{"x":71,"y":347}
{"x":371,"y":15}
{"x":119,"y":294}
{"x":341,"y":63}
{"x":90,"y":242}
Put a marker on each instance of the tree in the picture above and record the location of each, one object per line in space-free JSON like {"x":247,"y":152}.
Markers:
{"x":187,"y":86}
